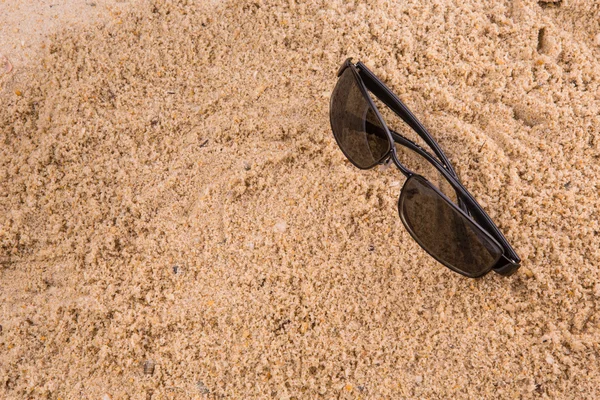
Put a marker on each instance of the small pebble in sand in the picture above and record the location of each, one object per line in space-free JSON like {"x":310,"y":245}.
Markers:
{"x":202,"y":388}
{"x":247,"y":166}
{"x":280,"y":227}
{"x":528,"y":273}
{"x":418,"y":379}
{"x":5,"y":65}
{"x":371,"y":247}
{"x":149,"y":367}
{"x":175,"y":269}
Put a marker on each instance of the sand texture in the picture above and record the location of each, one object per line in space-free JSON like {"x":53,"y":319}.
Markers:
{"x":25,"y":24}
{"x":177,"y":221}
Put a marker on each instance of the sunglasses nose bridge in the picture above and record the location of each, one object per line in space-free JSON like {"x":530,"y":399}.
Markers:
{"x":394,"y":157}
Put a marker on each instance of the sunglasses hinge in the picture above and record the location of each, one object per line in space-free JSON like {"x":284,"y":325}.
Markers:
{"x":345,"y":65}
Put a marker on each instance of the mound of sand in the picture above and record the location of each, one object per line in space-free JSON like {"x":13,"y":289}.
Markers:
{"x":176,"y":220}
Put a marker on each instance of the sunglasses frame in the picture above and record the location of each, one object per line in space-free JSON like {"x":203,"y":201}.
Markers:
{"x":509,"y":262}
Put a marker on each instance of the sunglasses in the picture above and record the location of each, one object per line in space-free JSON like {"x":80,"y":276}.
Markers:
{"x":459,"y":235}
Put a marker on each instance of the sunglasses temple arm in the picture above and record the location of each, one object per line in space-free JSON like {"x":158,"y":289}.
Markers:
{"x":383,"y":93}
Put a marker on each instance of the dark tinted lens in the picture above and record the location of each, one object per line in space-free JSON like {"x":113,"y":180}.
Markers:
{"x":355,"y":125}
{"x":443,"y":231}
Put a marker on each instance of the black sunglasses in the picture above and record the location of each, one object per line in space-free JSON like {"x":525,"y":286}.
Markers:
{"x":460,"y":236}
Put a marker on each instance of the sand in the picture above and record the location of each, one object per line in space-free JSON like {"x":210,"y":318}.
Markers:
{"x":176,"y":220}
{"x":25,"y":25}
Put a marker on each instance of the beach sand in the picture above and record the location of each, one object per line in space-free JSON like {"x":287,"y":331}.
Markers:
{"x":177,"y":221}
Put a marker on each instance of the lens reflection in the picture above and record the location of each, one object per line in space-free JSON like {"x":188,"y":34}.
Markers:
{"x":359,"y":132}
